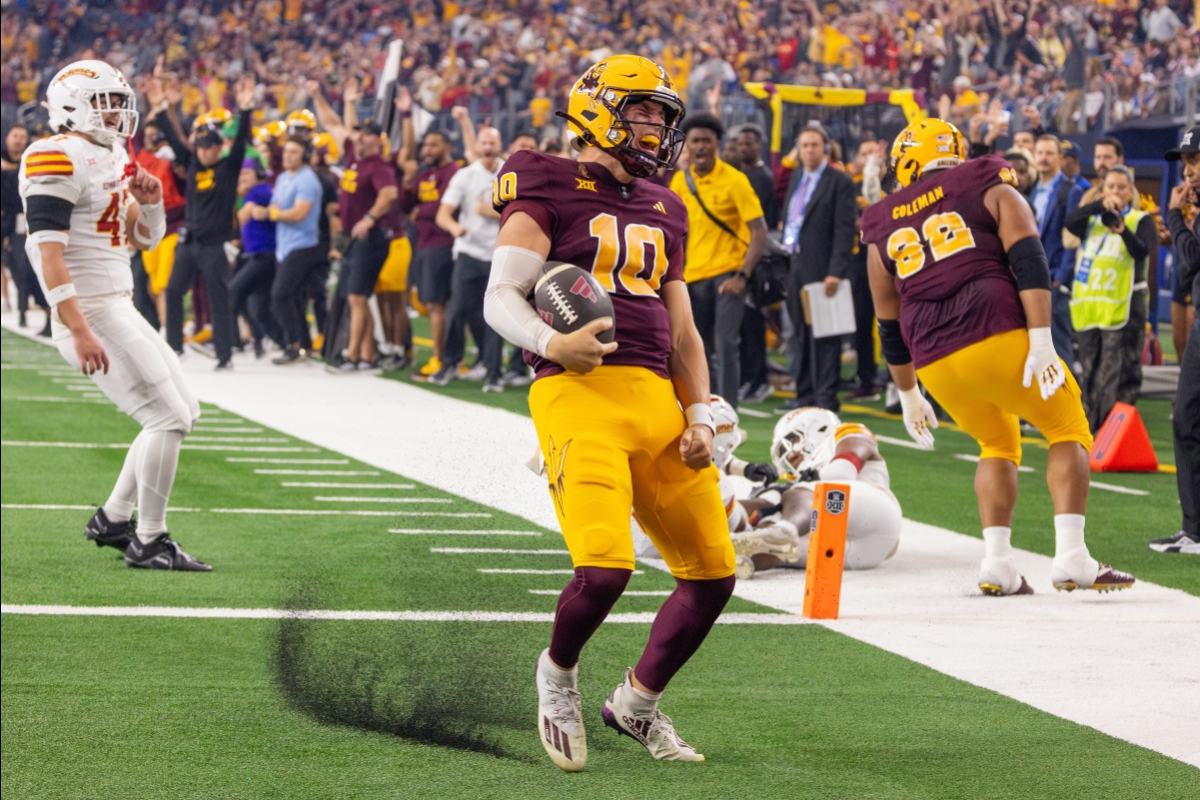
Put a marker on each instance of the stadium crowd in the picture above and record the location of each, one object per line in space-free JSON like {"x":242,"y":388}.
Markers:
{"x":316,"y":184}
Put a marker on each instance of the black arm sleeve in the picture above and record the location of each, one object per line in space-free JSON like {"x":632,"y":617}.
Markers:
{"x":1028,"y":261}
{"x":895,"y":351}
{"x":1077,"y":221}
{"x":237,"y":150}
{"x":47,"y":213}
{"x":183,"y":156}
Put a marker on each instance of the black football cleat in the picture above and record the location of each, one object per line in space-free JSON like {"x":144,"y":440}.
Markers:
{"x":106,"y":533}
{"x":162,"y":553}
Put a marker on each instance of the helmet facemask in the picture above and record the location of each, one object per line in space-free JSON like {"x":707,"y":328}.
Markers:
{"x":620,"y":136}
{"x":102,"y":104}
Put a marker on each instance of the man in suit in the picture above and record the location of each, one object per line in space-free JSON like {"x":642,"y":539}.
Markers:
{"x":1052,"y":198}
{"x":819,"y":218}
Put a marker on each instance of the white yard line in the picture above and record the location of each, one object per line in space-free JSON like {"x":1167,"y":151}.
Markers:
{"x":431,"y":532}
{"x":10,"y":398}
{"x":536,"y":571}
{"x":557,"y":592}
{"x":898,"y":442}
{"x":315,"y":472}
{"x":383,"y":499}
{"x":1096,"y":660}
{"x":542,"y":618}
{"x":244,"y":439}
{"x":199,"y":429}
{"x":269,"y":511}
{"x":319,"y":485}
{"x":975,"y":460}
{"x":1108,"y":487}
{"x":252,"y":460}
{"x":753,"y":412}
{"x":498,"y":550}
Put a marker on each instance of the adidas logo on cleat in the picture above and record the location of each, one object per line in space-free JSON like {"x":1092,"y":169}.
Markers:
{"x":555,"y":738}
{"x":637,"y":728}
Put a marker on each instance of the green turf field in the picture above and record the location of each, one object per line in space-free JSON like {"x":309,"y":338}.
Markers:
{"x":140,"y":707}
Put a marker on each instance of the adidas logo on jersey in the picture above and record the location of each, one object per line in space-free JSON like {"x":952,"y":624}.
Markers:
{"x":660,"y":207}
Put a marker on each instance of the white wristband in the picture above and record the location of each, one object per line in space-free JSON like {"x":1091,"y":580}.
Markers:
{"x":60,"y":293}
{"x":1040,"y":337}
{"x":154,"y":218}
{"x":700,"y":414}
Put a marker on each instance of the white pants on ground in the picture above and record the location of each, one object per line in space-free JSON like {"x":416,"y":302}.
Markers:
{"x":873,"y":529}
{"x":145,"y":381}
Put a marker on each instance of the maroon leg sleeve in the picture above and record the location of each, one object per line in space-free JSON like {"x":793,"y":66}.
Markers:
{"x":582,"y":606}
{"x":681,"y":625}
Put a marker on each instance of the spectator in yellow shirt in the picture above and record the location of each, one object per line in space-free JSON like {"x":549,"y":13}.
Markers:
{"x":726,"y":237}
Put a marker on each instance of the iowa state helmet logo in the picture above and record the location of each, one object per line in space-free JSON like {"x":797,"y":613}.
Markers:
{"x":835,"y":501}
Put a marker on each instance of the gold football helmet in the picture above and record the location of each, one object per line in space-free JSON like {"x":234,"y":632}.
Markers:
{"x":302,"y":121}
{"x":924,"y":145}
{"x":212,"y":119}
{"x":596,"y":111}
{"x":326,"y":143}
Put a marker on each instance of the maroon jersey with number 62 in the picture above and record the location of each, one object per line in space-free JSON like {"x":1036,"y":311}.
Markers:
{"x":632,"y":241}
{"x":942,"y":244}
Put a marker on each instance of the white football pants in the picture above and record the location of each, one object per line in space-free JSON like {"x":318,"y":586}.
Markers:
{"x":873,"y":529}
{"x":145,"y":381}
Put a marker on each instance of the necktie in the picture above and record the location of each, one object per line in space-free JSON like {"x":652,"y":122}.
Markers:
{"x":795,"y":217}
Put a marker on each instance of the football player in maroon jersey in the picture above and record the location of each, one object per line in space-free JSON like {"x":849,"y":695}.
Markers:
{"x":625,"y":425}
{"x":962,"y":292}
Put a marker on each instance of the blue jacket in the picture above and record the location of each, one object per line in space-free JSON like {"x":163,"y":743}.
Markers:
{"x":1065,"y":199}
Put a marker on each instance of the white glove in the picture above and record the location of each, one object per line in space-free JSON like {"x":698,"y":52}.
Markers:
{"x":1043,"y":362}
{"x":919,"y":418}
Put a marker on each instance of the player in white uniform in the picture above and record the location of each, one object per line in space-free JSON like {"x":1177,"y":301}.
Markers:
{"x":729,"y":435}
{"x":811,"y":445}
{"x":85,"y":205}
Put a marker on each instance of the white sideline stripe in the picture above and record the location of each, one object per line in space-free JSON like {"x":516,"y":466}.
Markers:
{"x":84,"y":445}
{"x":73,"y":378}
{"x":898,"y":442}
{"x":556,"y":592}
{"x":313,"y":472}
{"x":62,"y":371}
{"x":26,"y":399}
{"x":186,"y":446}
{"x":1108,"y":487}
{"x":537,"y":571}
{"x":285,"y":511}
{"x":246,"y":439}
{"x":751,"y":412}
{"x":231,"y":448}
{"x":80,"y":387}
{"x":643,"y":618}
{"x":975,"y":460}
{"x":237,"y":460}
{"x":319,"y":485}
{"x":431,"y":532}
{"x":465,"y":550}
{"x":198,"y":429}
{"x":383,"y":499}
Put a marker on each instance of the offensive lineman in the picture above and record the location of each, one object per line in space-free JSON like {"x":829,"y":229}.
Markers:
{"x":608,"y":415}
{"x":962,"y":293}
{"x":84,"y":210}
{"x":811,"y":445}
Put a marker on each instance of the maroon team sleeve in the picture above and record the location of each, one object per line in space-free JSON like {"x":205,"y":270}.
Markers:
{"x":541,"y":214}
{"x":675,"y":262}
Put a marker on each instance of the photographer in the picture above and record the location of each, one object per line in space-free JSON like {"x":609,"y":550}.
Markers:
{"x":1109,"y":306}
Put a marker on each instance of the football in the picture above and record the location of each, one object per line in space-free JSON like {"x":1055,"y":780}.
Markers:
{"x":568,"y":297}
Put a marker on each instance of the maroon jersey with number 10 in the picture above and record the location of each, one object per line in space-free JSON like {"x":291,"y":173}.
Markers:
{"x":631,"y":237}
{"x":942,"y":244}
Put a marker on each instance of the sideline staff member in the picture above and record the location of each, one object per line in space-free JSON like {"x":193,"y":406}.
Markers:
{"x":725,"y":240}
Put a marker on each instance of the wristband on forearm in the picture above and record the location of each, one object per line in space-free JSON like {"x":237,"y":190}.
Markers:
{"x":154,"y":218}
{"x":60,"y":293}
{"x":700,"y":414}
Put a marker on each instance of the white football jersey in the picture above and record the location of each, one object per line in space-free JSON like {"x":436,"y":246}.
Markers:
{"x":91,"y":177}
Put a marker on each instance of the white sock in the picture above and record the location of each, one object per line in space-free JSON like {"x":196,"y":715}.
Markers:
{"x":641,"y":703}
{"x":1068,"y":535}
{"x":563,"y":677}
{"x":997,"y":542}
{"x":119,"y":506}
{"x":157,"y":462}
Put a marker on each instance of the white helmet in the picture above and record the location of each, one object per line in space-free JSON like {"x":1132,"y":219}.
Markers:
{"x":807,"y":432}
{"x":82,"y":93}
{"x":728,"y":435}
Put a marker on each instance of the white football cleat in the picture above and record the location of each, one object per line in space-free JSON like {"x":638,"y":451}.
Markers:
{"x":779,"y":539}
{"x":560,"y":720}
{"x":999,"y":576}
{"x":1085,"y":572}
{"x":653,"y":730}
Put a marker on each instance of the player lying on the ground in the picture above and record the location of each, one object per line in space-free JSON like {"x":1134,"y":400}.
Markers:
{"x":85,"y":209}
{"x":608,"y":415}
{"x":728,"y":438}
{"x":962,"y":292}
{"x":811,"y":445}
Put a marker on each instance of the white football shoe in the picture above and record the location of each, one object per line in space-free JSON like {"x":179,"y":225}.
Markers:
{"x":779,"y":539}
{"x":999,"y":576}
{"x":654,"y":730}
{"x":560,"y":720}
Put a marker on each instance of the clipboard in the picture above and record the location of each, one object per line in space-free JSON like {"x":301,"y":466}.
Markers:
{"x":828,"y":316}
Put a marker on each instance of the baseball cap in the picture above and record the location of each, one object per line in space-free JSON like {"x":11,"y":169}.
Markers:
{"x":372,"y":127}
{"x":1190,"y":143}
{"x":208,"y":137}
{"x":1071,"y":150}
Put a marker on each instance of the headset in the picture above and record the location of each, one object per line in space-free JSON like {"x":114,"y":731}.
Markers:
{"x":307,"y":141}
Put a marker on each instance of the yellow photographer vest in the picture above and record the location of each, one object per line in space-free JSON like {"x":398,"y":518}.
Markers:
{"x":1104,"y":273}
